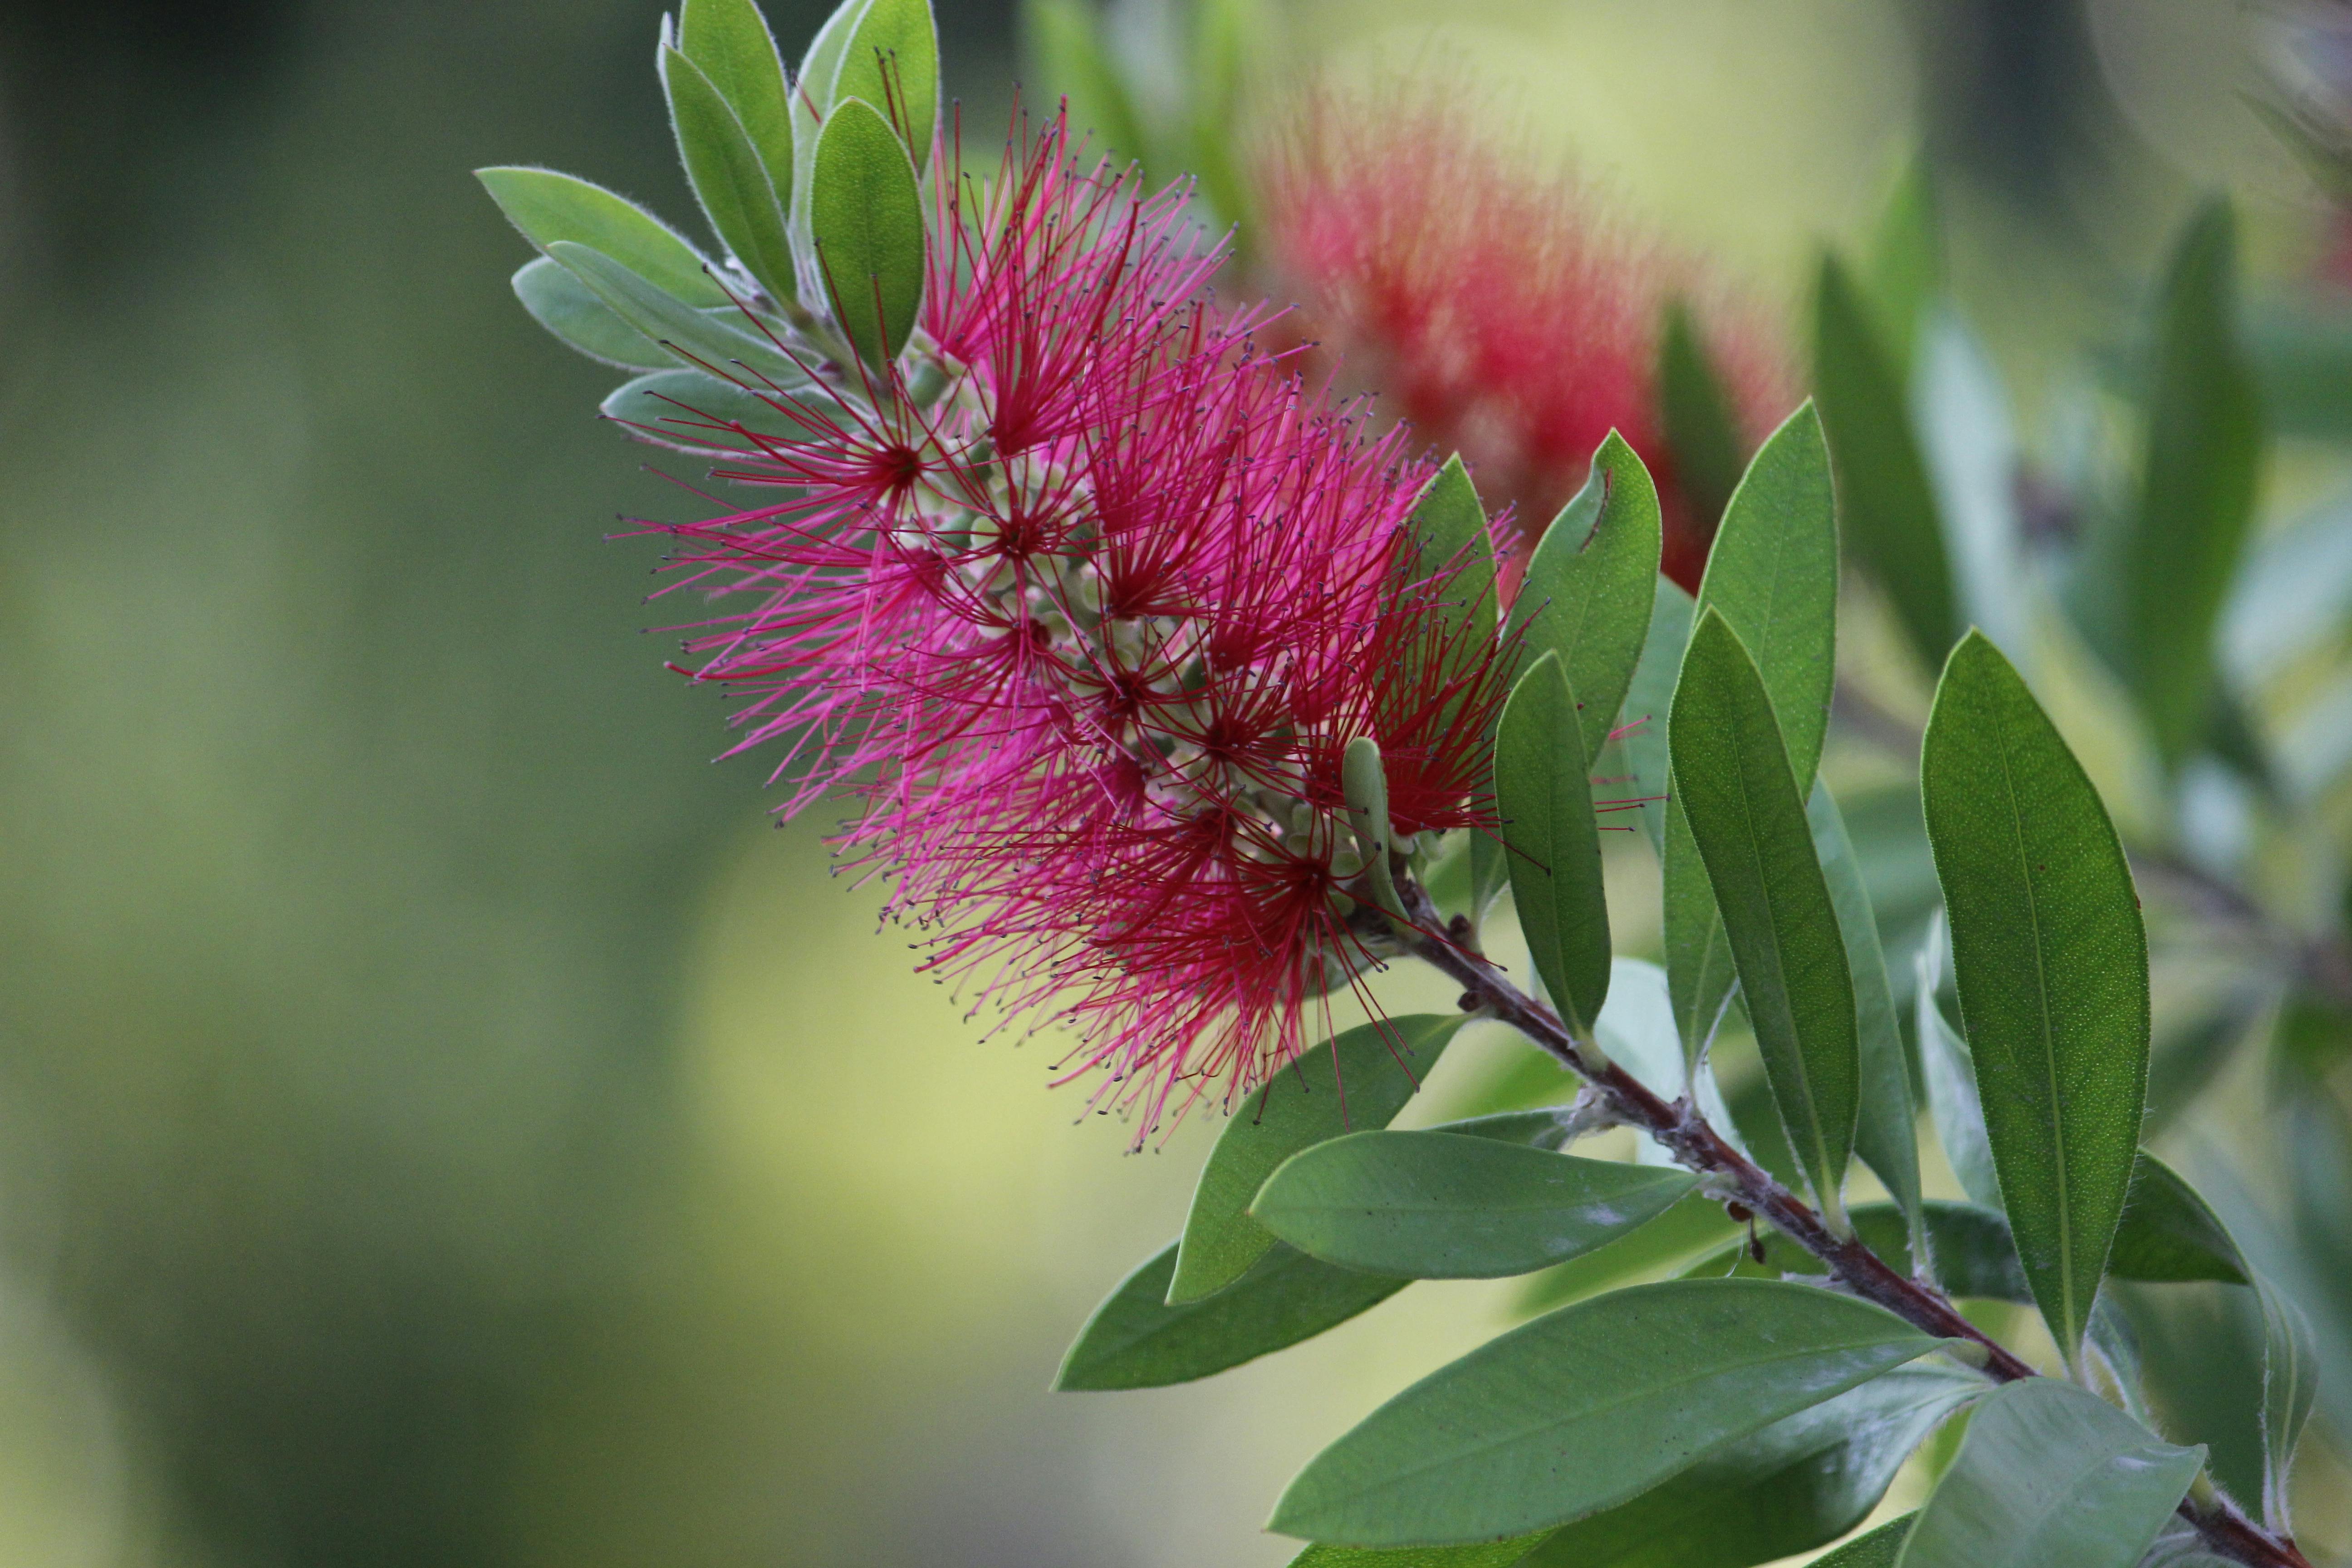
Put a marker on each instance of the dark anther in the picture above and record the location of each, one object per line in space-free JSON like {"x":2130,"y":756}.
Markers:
{"x":1738,"y":1213}
{"x":1755,"y":1242}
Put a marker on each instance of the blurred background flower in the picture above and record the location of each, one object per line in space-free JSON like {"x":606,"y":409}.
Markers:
{"x":438,"y":1123}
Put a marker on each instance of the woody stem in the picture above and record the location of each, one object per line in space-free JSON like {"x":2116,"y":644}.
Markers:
{"x":1684,"y":1132}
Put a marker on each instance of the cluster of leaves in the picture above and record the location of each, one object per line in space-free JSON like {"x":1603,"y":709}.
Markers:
{"x":811,"y":184}
{"x":1746,"y":1407}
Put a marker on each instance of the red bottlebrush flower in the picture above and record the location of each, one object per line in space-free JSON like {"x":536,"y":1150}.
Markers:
{"x":1506,"y":309}
{"x":1090,"y":633}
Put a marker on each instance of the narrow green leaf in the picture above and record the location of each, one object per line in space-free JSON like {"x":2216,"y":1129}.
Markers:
{"x":548,"y":207}
{"x":1695,"y":415}
{"x":866,"y":222}
{"x":689,"y":410}
{"x":1478,"y":1554}
{"x":1490,"y":871}
{"x":2204,"y":458}
{"x":1961,"y":418}
{"x":1586,"y":595}
{"x":1658,"y":1250}
{"x":1950,"y":1080}
{"x":1228,"y":40}
{"x":1353,"y":1082}
{"x":2051,"y":964}
{"x":1907,"y":258}
{"x":1647,"y":699}
{"x":1880,"y":1548}
{"x":2290,"y":1382}
{"x":1588,"y":1407}
{"x":1773,"y":576}
{"x":565,"y":306}
{"x":1544,"y":796}
{"x":698,"y":340}
{"x":1799,"y":1482}
{"x":2168,"y":1232}
{"x":729,"y":176}
{"x":730,"y":40}
{"x":2050,"y":1473}
{"x":1884,"y":504}
{"x":1075,"y":61}
{"x":1136,"y":1339}
{"x":891,"y":61}
{"x":1450,"y":540}
{"x":1886,"y":1129}
{"x":1444,"y":1205}
{"x":1747,"y":818}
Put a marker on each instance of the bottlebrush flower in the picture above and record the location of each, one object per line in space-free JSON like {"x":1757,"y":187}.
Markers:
{"x":1505,"y":310}
{"x":1089,"y":632}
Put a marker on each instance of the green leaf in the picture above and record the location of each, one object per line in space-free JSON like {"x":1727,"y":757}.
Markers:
{"x":1136,"y":1339}
{"x":1544,"y":796}
{"x":689,"y":410}
{"x":1658,"y":1249}
{"x":695,"y":340}
{"x":891,"y":61}
{"x":565,"y":306}
{"x":1880,"y":1548}
{"x":729,"y":176}
{"x":1450,"y":540}
{"x":1773,"y":576}
{"x":1588,"y":1407}
{"x":1884,"y":504}
{"x":1075,"y":61}
{"x":2168,"y":1232}
{"x":1446,"y":1206}
{"x":2290,"y":1382}
{"x":866,"y":222}
{"x":1886,"y":1129}
{"x":1478,"y":1554}
{"x":1803,"y":1480}
{"x":1960,"y":417}
{"x":1586,"y":594}
{"x":1971,"y":1246}
{"x":1695,"y":415}
{"x":2051,"y":964}
{"x":811,"y":103}
{"x":1907,"y":258}
{"x":2197,"y":499}
{"x":730,"y":40}
{"x":1648,"y":698}
{"x":1356,"y":1081}
{"x":1490,"y":871}
{"x":1228,"y":38}
{"x":2049,"y":1474}
{"x":1950,"y":1080}
{"x":1748,"y":815}
{"x":548,"y":207}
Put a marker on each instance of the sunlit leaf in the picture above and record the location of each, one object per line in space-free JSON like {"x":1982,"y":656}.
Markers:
{"x":865,"y":221}
{"x":891,"y":61}
{"x":2052,"y":965}
{"x":730,"y":40}
{"x":1880,"y":1548}
{"x":548,"y":207}
{"x":1747,"y":817}
{"x":2049,"y":1474}
{"x":1136,"y":1339}
{"x":1477,"y":1554}
{"x":1447,"y":1205}
{"x":1588,"y":1407}
{"x":729,"y":176}
{"x":1647,"y":700}
{"x":1544,"y":798}
{"x":1355,"y":1081}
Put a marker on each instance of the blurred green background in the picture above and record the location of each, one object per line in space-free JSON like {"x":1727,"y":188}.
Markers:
{"x":439,"y":1124}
